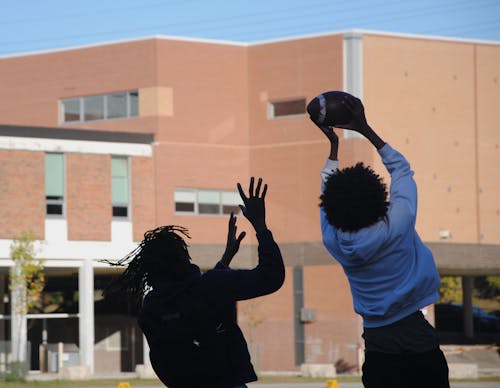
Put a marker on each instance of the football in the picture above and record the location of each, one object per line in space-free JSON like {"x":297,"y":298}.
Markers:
{"x":327,"y":109}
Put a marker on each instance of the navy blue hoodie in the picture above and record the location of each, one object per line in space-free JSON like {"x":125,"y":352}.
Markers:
{"x":213,"y":295}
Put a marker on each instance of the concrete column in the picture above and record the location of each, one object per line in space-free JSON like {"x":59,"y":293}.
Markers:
{"x":353,"y":70}
{"x":467,"y":286}
{"x":86,"y":310}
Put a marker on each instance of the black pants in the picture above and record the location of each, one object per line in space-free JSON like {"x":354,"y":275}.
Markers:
{"x":419,"y":370}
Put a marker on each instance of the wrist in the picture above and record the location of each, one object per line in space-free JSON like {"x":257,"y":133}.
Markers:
{"x":260,"y":228}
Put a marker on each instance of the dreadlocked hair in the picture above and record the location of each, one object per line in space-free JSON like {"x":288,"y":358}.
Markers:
{"x":354,"y":198}
{"x":161,"y":255}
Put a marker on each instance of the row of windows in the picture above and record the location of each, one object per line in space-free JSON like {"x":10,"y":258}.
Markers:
{"x":100,"y":107}
{"x":54,"y":185}
{"x":126,"y":105}
{"x":187,"y":201}
{"x":197,"y":201}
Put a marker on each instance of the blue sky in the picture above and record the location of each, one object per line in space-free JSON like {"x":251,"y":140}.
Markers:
{"x":34,"y":25}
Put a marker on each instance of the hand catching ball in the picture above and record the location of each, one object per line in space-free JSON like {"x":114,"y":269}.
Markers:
{"x":327,"y":109}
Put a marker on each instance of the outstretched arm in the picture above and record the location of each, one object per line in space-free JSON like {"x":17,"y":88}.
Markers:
{"x":269,"y":274}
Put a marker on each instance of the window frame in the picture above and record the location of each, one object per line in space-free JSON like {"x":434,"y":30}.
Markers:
{"x":60,"y":200}
{"x":196,"y":202}
{"x":122,"y":205}
{"x":271,"y":108}
{"x":81,"y":106}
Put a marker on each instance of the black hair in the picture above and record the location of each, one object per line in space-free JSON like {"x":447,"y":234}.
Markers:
{"x":161,"y":255}
{"x":354,"y":198}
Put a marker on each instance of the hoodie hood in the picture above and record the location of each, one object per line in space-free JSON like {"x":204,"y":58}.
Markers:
{"x":363,"y":244}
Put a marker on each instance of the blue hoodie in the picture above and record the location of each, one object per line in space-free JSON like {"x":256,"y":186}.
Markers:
{"x":391,"y":272}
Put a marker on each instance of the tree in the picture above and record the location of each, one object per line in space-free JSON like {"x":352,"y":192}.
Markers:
{"x":27,"y":281}
{"x":450,"y":289}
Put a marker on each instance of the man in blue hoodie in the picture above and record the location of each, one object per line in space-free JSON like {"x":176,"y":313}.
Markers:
{"x":392,"y":274}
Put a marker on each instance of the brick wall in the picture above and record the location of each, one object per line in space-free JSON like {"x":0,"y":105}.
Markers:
{"x":143,"y":196}
{"x":22,"y":193}
{"x":268,"y":325}
{"x":88,"y":188}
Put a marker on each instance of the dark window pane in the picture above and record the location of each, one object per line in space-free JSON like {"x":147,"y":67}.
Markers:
{"x":227,"y":209}
{"x":288,"y":108}
{"x":54,"y":208}
{"x":120,"y":211}
{"x":184,"y":207}
{"x":205,"y":208}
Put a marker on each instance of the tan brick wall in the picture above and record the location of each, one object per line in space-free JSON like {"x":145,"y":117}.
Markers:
{"x":271,"y":340}
{"x":22,"y":193}
{"x":143,"y":196}
{"x":88,"y":188}
{"x":337,"y":331}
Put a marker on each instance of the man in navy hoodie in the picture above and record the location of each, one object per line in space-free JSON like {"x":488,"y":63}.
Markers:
{"x":392,"y":274}
{"x":189,"y":317}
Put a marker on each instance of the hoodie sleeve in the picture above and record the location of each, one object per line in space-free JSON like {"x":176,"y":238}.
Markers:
{"x":240,"y":284}
{"x":402,"y":211}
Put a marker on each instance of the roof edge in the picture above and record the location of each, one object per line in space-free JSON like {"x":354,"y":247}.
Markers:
{"x":253,"y":43}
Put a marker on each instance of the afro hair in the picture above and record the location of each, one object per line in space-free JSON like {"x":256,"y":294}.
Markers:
{"x":354,"y":198}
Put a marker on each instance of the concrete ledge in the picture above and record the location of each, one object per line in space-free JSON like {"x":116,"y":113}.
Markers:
{"x":78,"y":372}
{"x":145,"y":371}
{"x":318,"y":370}
{"x":463,"y":371}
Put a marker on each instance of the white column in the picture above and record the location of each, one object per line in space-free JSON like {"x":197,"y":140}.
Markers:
{"x":86,"y":310}
{"x":353,"y":70}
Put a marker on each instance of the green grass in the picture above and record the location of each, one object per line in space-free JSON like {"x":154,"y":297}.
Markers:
{"x":134,"y":383}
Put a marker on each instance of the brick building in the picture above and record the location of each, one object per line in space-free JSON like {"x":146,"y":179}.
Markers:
{"x":107,"y":141}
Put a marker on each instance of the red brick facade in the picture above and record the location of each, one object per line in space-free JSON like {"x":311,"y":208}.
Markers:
{"x":22,"y":193}
{"x":143,"y":196}
{"x":88,"y":188}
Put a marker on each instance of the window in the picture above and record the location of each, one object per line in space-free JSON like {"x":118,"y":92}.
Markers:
{"x":210,"y":202}
{"x":185,"y":201}
{"x":71,"y":110}
{"x":286,"y":108}
{"x":100,"y":107}
{"x":93,"y":108}
{"x":54,"y":183}
{"x":116,"y":105}
{"x":230,"y":202}
{"x":119,"y":186}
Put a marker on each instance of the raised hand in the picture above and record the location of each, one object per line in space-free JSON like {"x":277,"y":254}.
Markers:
{"x":358,"y":122}
{"x":253,"y":207}
{"x":233,"y":242}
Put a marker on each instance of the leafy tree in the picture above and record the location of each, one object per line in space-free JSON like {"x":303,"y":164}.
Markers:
{"x":488,"y":287}
{"x":26,"y":283}
{"x":450,"y":289}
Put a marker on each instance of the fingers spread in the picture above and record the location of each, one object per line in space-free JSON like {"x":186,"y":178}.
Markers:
{"x":264,"y":191}
{"x":257,"y":190}
{"x":242,"y":194}
{"x":250,"y":189}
